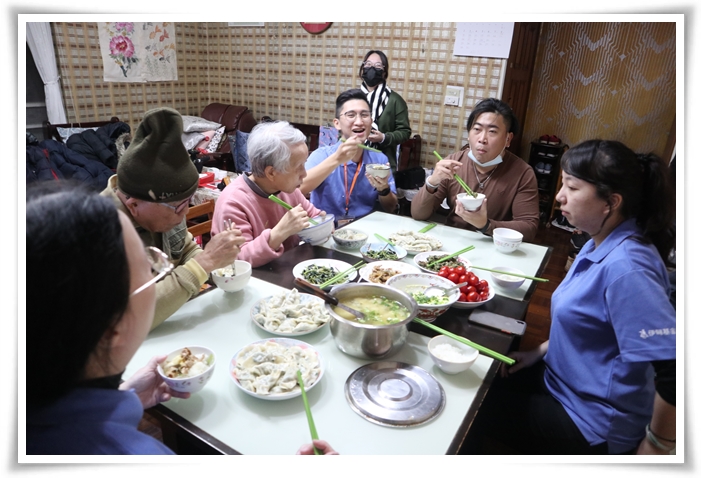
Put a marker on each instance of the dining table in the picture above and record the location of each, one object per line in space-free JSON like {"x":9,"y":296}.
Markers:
{"x":222,"y":419}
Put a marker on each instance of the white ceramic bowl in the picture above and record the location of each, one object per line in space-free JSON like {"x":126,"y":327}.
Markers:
{"x":377,"y":246}
{"x":379,"y":170}
{"x":506,"y":240}
{"x":506,"y":281}
{"x":451,"y":362}
{"x":409,"y":283}
{"x":397,"y":266}
{"x":471,"y":203}
{"x":423,"y":257}
{"x":233,"y":283}
{"x":316,"y":235}
{"x":189,"y":384}
{"x":348,"y":238}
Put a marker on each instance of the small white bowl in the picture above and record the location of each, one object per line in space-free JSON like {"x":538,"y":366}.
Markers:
{"x":234,"y":283}
{"x":506,"y":240}
{"x":189,"y":384}
{"x":471,"y":203}
{"x":348,"y":238}
{"x":379,"y":170}
{"x":507,"y":282}
{"x":453,"y":363}
{"x":317,"y":235}
{"x":409,"y":283}
{"x":377,"y":246}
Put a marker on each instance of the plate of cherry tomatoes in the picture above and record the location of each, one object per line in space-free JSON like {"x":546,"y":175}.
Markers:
{"x":475,"y":293}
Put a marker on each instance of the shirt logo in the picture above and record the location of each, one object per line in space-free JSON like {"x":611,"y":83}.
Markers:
{"x":644,"y":334}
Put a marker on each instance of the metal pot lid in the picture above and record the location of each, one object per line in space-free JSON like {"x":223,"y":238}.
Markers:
{"x":394,"y":394}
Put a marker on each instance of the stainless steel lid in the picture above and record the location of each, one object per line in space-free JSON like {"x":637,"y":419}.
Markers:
{"x":394,"y":394}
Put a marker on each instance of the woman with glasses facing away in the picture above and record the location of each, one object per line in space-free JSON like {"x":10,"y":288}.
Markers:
{"x":85,"y":321}
{"x":390,"y":116}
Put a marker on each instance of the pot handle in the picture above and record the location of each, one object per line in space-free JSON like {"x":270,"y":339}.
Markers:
{"x":308,"y":286}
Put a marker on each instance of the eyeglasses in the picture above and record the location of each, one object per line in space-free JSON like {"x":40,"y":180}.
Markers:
{"x":179,"y":208}
{"x":369,"y":64}
{"x":160,"y":264}
{"x":351,"y":115}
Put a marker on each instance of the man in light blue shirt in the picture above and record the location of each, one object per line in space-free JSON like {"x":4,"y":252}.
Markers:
{"x":337,"y":175}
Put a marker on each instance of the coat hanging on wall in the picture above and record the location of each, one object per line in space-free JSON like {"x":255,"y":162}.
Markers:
{"x":138,"y":52}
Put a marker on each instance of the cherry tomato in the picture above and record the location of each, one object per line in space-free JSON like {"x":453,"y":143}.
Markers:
{"x":453,"y":277}
{"x":445,"y":269}
{"x":472,"y":279}
{"x":463,"y":278}
{"x":460,"y":270}
{"x":465,"y":289}
{"x":443,"y":273}
{"x":473,"y":297}
{"x":482,"y":285}
{"x":462,"y":298}
{"x":484,"y":296}
{"x":471,"y":288}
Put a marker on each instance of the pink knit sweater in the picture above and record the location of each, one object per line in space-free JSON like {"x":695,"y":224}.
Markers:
{"x":255,"y":216}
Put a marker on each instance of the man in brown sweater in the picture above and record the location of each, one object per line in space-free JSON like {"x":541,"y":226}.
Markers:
{"x":508,"y":183}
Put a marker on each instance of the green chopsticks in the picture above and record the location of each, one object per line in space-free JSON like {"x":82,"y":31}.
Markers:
{"x":310,"y":420}
{"x":282,"y":203}
{"x":428,"y":228}
{"x":384,"y":240}
{"x":450,"y":256}
{"x":340,"y":275}
{"x":458,"y":179}
{"x":537,"y":279}
{"x":481,"y":348}
{"x":364,"y":147}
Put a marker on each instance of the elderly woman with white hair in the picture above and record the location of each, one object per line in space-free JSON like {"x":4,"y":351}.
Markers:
{"x":277,"y":152}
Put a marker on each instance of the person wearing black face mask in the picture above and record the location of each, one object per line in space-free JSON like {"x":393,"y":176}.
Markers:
{"x":390,"y":116}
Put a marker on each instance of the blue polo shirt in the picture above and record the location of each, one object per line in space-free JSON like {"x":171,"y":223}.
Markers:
{"x":330,"y":195}
{"x":611,"y":316}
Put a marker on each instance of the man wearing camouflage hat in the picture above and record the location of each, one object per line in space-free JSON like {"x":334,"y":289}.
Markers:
{"x":154,"y":183}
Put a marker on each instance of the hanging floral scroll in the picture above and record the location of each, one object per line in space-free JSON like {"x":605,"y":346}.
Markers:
{"x":138,"y":52}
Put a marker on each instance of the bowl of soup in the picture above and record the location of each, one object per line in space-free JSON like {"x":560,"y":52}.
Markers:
{"x":388,"y":314}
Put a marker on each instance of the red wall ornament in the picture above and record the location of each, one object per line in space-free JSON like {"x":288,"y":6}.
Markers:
{"x":315,"y":28}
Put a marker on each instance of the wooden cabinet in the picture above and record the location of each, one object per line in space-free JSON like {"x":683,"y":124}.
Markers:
{"x":545,"y":161}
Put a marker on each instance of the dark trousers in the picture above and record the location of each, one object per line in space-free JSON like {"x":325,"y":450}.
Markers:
{"x":520,"y":412}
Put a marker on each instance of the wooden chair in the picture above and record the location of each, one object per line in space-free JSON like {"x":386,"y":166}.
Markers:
{"x":198,"y":227}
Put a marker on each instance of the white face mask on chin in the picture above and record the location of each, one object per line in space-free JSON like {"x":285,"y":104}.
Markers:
{"x":493,"y":162}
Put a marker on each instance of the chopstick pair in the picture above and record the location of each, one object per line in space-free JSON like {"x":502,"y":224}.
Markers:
{"x":282,"y":203}
{"x":481,"y":348}
{"x":384,"y":240}
{"x":358,"y":265}
{"x":308,"y":410}
{"x":364,"y":147}
{"x":459,"y":179}
{"x":450,"y":256}
{"x":537,"y":279}
{"x":428,"y":228}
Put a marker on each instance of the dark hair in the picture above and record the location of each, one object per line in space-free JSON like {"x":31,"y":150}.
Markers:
{"x":641,"y":179}
{"x":77,"y":283}
{"x":493,"y":105}
{"x":383,"y":58}
{"x":346,"y":96}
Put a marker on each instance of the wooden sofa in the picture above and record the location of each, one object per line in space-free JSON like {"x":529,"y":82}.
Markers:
{"x":233,"y":118}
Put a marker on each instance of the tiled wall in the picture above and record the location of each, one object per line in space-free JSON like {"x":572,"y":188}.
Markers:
{"x":612,"y":80}
{"x":280,"y":70}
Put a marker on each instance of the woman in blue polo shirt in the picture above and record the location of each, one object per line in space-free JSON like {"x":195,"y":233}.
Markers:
{"x":336,"y":175}
{"x":604,"y":382}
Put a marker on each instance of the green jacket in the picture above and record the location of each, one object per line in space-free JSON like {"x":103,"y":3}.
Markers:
{"x":394,"y":123}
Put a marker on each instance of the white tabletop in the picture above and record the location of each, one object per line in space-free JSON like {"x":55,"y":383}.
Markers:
{"x":221,"y":321}
{"x":527,"y":258}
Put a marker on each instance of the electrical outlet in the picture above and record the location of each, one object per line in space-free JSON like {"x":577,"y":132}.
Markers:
{"x":454,"y":95}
